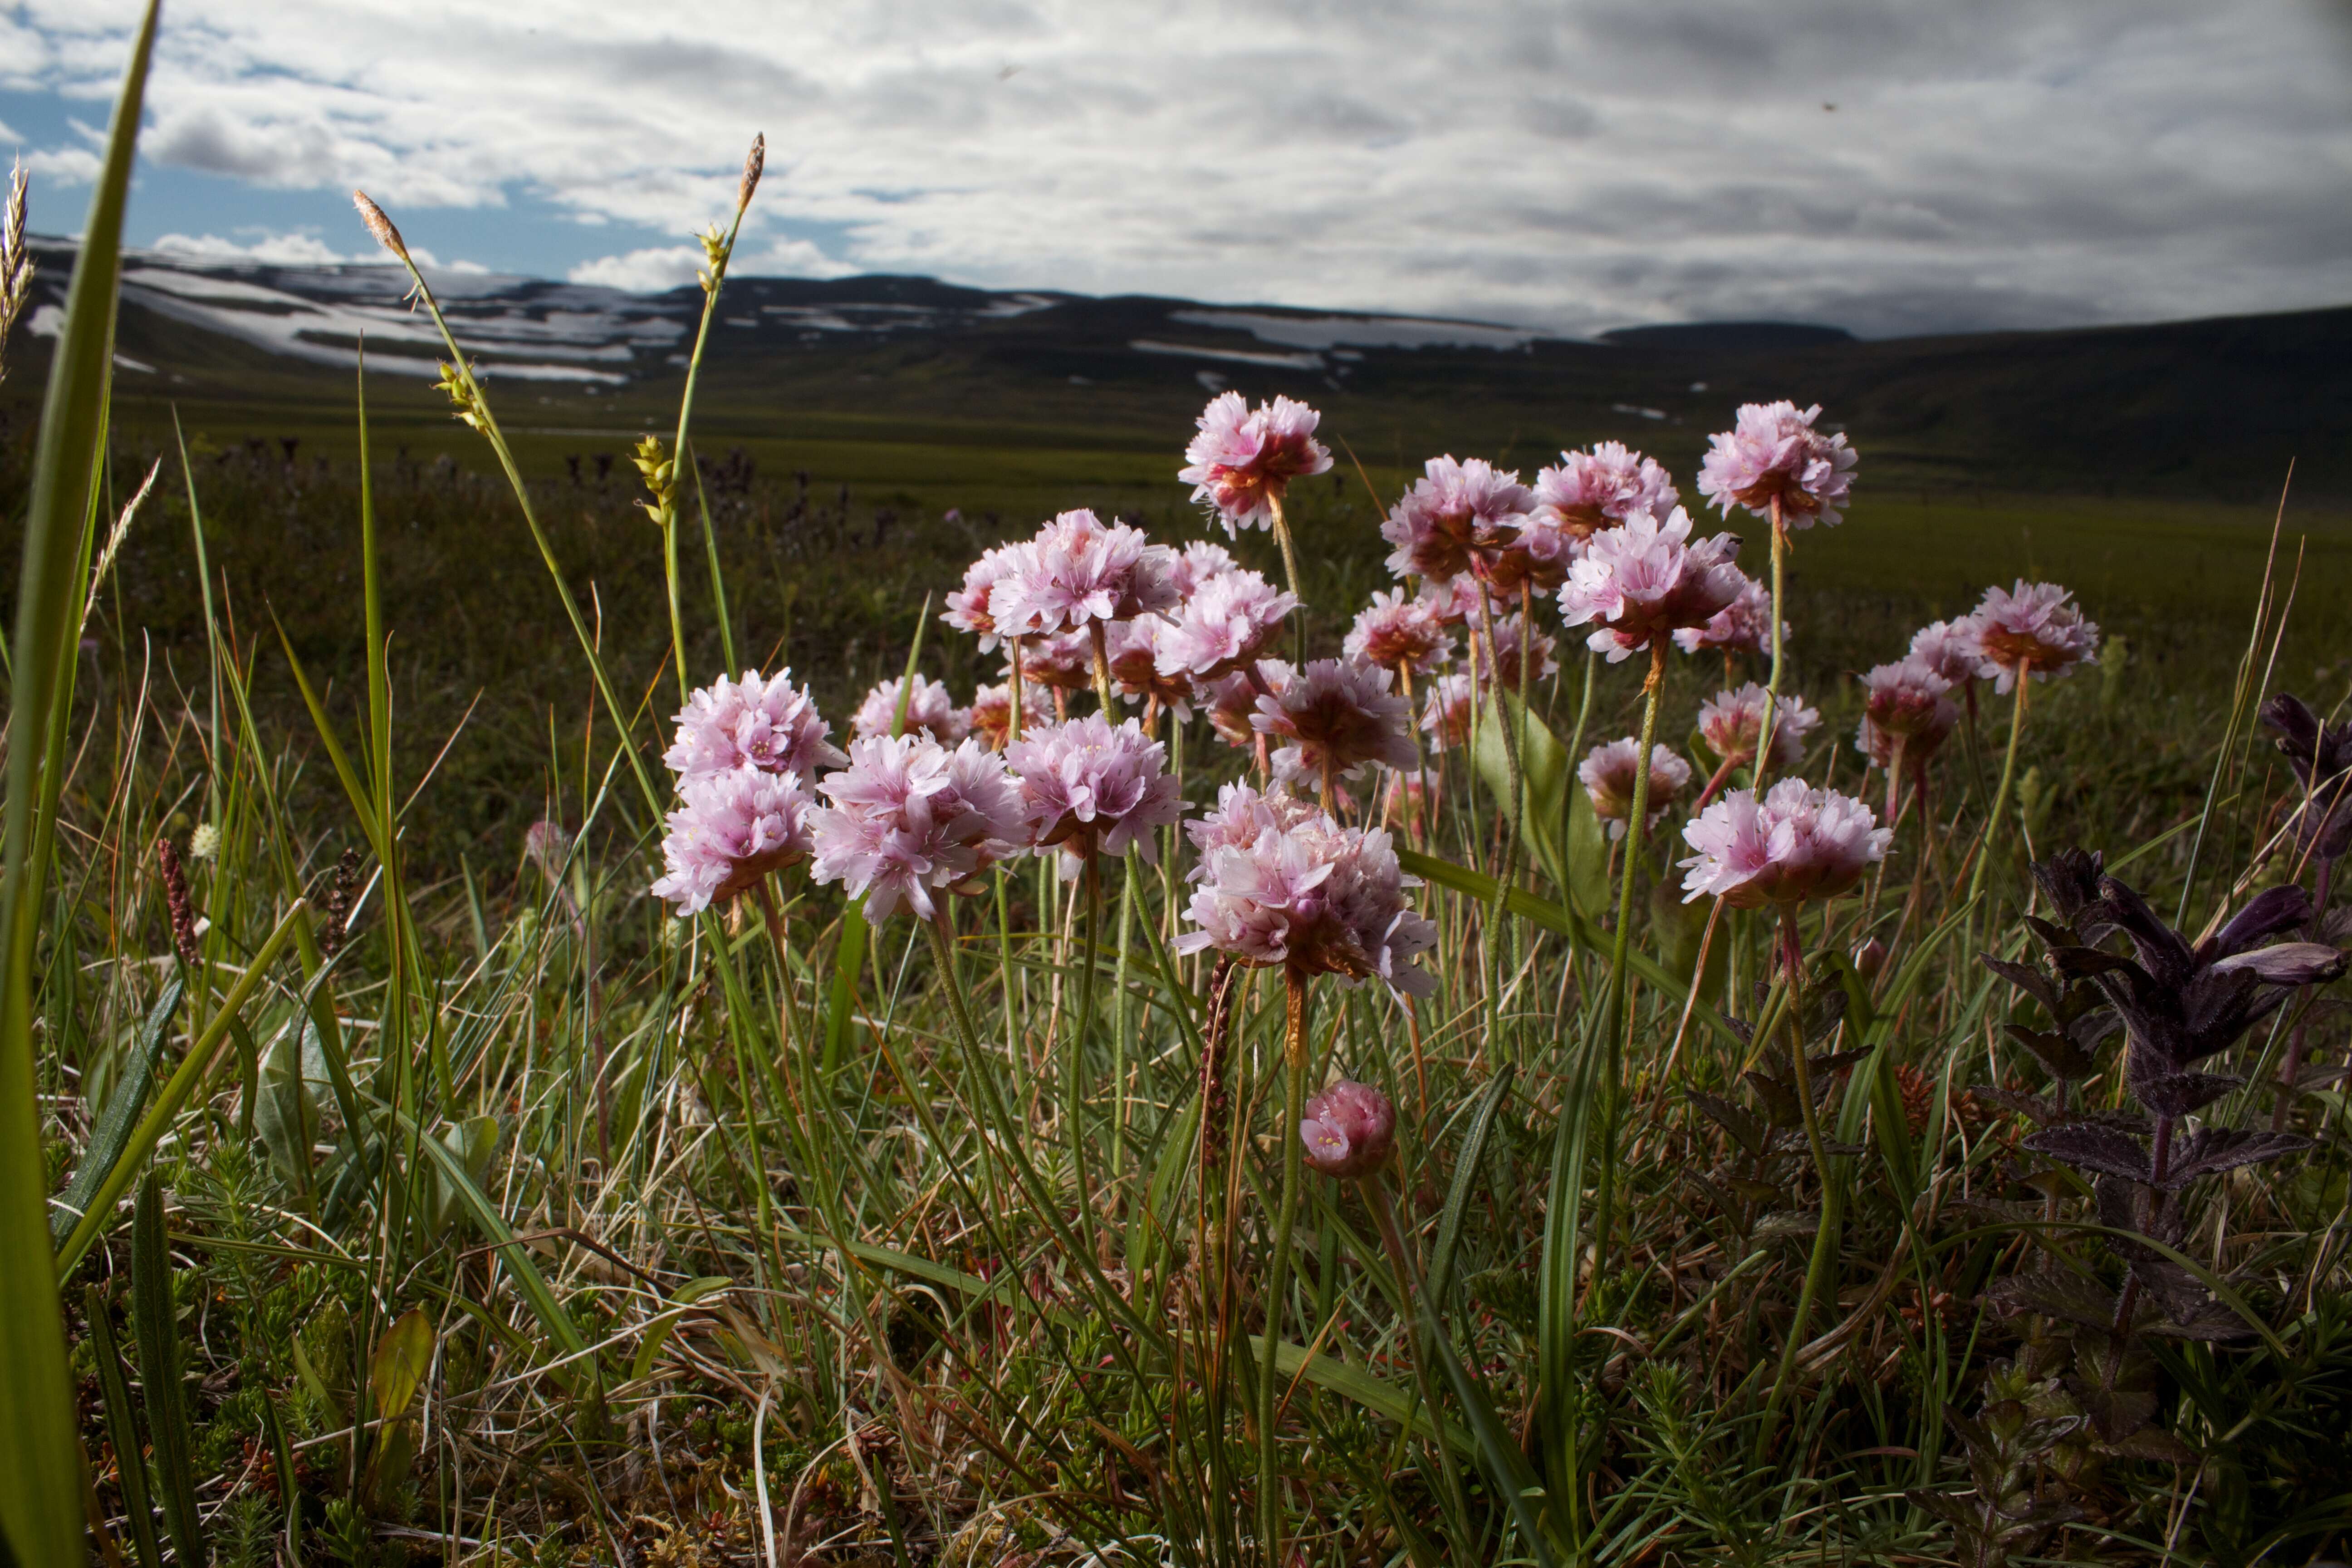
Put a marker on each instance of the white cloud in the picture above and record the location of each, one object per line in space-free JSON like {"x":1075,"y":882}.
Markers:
{"x":64,"y":165}
{"x":1987,"y":162}
{"x":276,"y":249}
{"x":642,"y":272}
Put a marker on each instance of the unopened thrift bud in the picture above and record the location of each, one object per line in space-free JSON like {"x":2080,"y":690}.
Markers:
{"x":1869,"y":958}
{"x":1350,"y":1129}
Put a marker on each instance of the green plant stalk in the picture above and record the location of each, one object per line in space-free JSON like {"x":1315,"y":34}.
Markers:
{"x":679,"y":457}
{"x":1614,"y":1025}
{"x":1290,"y":575}
{"x":41,"y":1485}
{"x":1771,"y":719}
{"x":155,"y":1321}
{"x":2000,"y":794}
{"x":1122,"y":1021}
{"x":718,"y":579}
{"x":122,"y":1428}
{"x":1296,"y":998}
{"x":1825,"y":1233}
{"x":1073,"y":1051}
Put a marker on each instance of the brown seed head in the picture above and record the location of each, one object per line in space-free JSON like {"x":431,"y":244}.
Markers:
{"x":753,"y":162}
{"x":379,"y":226}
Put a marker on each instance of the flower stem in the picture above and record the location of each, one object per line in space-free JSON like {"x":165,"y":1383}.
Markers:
{"x":1278,"y":1265}
{"x":1773,"y":683}
{"x":1074,"y":1062}
{"x":1825,"y":1233}
{"x":1612,"y":1015}
{"x":1290,"y":572}
{"x":2001,"y":795}
{"x":1102,"y":667}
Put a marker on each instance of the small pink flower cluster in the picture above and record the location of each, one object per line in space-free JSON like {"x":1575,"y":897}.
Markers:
{"x":1400,"y":633}
{"x":909,"y":817}
{"x":1646,"y":580}
{"x":1608,"y":778}
{"x":930,"y":711}
{"x":1093,"y":789}
{"x":1279,"y":884}
{"x":1731,"y":722}
{"x":1079,"y":571}
{"x":1460,"y":517}
{"x":1591,"y":492}
{"x":1349,"y":1130}
{"x":2033,"y":628}
{"x":743,"y":753}
{"x":991,"y":711}
{"x":1773,"y":453}
{"x":1904,"y":701}
{"x":1792,"y":845}
{"x":1244,"y":458}
{"x":1744,"y":626}
{"x":1335,"y":721}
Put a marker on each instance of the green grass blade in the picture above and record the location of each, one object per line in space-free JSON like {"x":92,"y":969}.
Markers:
{"x":123,"y":1429}
{"x":1465,"y":1181}
{"x":41,"y":1483}
{"x":111,"y":1136}
{"x":156,"y":1321}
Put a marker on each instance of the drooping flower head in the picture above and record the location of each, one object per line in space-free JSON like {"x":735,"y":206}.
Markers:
{"x":1080,"y":570}
{"x":732,"y":828}
{"x":1516,"y":652}
{"x":1608,"y":778}
{"x":1950,"y":649}
{"x":2321,"y":756}
{"x":1743,"y":625}
{"x":931,"y":709}
{"x":969,"y":606}
{"x":1793,"y":844}
{"x":764,"y":723}
{"x":909,"y":818}
{"x":991,"y":711}
{"x":1460,"y":517}
{"x":1133,"y":647}
{"x":1349,"y":1130}
{"x":1731,"y":722}
{"x":1400,"y":633}
{"x":1592,"y":491}
{"x":2033,"y":626}
{"x":1094,"y":789}
{"x":1244,"y":458}
{"x":1645,"y":580}
{"x":1314,"y":898}
{"x":1447,"y":712}
{"x":1228,"y":621}
{"x":1773,"y":451}
{"x":1335,"y":719}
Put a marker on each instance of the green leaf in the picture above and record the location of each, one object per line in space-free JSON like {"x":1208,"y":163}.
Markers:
{"x":1543,"y":779}
{"x":1376,"y":1395}
{"x":112,"y":1134}
{"x":1467,"y":1166}
{"x":155,"y":1320}
{"x":122,"y":1428}
{"x":41,"y":1481}
{"x":286,"y":1115}
{"x":397,"y":1369}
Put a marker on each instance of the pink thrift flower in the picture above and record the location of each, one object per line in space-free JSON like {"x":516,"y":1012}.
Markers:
{"x":1134,"y":648}
{"x":1408,"y":794}
{"x":1731,"y":722}
{"x":1773,"y":450}
{"x":1608,"y":778}
{"x":991,"y":711}
{"x":1227,"y":622}
{"x":1455,"y":600}
{"x":1907,"y":698}
{"x":931,"y":710}
{"x":1645,"y":580}
{"x":1336,"y":720}
{"x":1197,"y":562}
{"x":1593,"y":492}
{"x":2033,"y":626}
{"x":1744,"y":626}
{"x":1244,"y":458}
{"x":1513,"y":655}
{"x":1093,"y":789}
{"x":1349,"y":1130}
{"x":969,"y":606}
{"x":1794,"y":845}
{"x":1445,"y":713}
{"x":1399,"y":634}
{"x":1459,"y":518}
{"x":1080,"y":570}
{"x":1064,"y":661}
{"x":1316,"y":899}
{"x":733,"y":828}
{"x":909,"y":816}
{"x":1950,"y":649}
{"x":1233,"y":701}
{"x":764,"y":723}
{"x":1242,"y":816}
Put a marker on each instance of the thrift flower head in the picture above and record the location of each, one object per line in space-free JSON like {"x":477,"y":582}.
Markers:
{"x":1454,"y":601}
{"x":1197,"y":562}
{"x":1349,"y":1130}
{"x":1460,"y":517}
{"x":1064,"y":661}
{"x":1608,"y":778}
{"x":1134,"y":648}
{"x":1772,"y":450}
{"x":1744,"y":626}
{"x":969,"y":606}
{"x":1398,"y":633}
{"x":1598,"y":490}
{"x":1242,"y":816}
{"x":1316,"y":899}
{"x":1337,"y":719}
{"x":1093,"y":789}
{"x":1445,"y":712}
{"x":766,"y":723}
{"x":2033,"y":626}
{"x":2321,"y":756}
{"x":1731,"y":721}
{"x":1950,"y":649}
{"x":1226,"y":622}
{"x":1080,"y":570}
{"x":1794,"y":844}
{"x":991,"y":711}
{"x":1646,"y":580}
{"x":930,"y":709}
{"x":1907,"y":698}
{"x":909,"y":816}
{"x":1233,"y":701}
{"x":732,"y":829}
{"x":1515,"y":650}
{"x":1243,"y":457}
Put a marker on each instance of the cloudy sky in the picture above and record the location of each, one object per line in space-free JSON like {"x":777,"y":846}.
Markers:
{"x":1574,"y":164}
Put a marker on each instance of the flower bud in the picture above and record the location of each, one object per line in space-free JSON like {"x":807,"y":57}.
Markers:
{"x":1350,"y":1129}
{"x":379,"y":226}
{"x":1869,"y":958}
